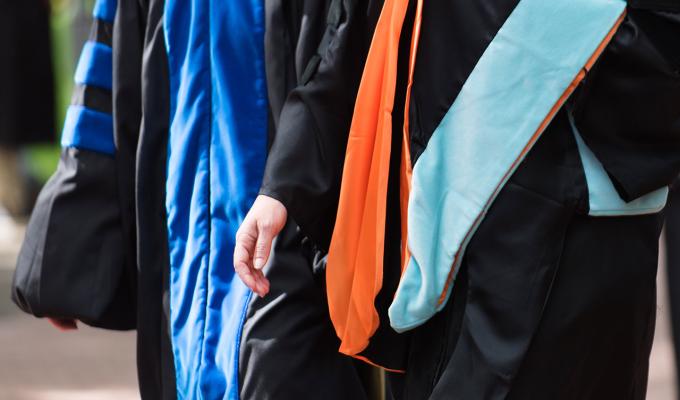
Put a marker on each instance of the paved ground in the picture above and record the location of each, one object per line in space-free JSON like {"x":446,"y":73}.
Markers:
{"x":39,"y":363}
{"x":662,"y":369}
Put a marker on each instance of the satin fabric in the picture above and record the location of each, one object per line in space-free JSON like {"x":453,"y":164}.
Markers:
{"x":216,"y":154}
{"x":543,"y":308}
{"x":355,"y":256}
{"x":639,"y":141}
{"x":469,"y":157}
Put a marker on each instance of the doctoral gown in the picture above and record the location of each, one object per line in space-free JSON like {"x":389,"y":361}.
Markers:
{"x":515,"y":155}
{"x":164,"y":148}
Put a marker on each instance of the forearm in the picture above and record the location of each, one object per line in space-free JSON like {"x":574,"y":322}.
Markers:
{"x":304,"y":167}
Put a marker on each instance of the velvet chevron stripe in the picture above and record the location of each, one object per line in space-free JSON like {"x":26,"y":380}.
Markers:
{"x":95,"y":66}
{"x":88,"y":129}
{"x":89,"y":124}
{"x":105,"y":10}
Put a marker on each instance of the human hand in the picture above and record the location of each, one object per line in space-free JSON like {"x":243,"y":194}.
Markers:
{"x":64,"y":325}
{"x":264,"y":221}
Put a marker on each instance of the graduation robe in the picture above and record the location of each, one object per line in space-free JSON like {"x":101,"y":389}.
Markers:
{"x":481,"y":85}
{"x":165,"y":143}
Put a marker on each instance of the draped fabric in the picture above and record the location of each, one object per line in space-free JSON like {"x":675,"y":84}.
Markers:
{"x":216,"y":153}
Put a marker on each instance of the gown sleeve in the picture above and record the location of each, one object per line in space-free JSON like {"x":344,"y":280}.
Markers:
{"x":304,"y":167}
{"x":294,"y":30}
{"x":627,"y":109}
{"x":74,"y":261}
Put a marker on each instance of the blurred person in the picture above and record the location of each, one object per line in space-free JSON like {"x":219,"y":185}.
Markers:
{"x":174,"y":108}
{"x":507,"y":166}
{"x":672,"y":246}
{"x":26,"y":95}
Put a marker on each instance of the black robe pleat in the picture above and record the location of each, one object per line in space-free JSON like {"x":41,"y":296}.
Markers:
{"x":550,"y":303}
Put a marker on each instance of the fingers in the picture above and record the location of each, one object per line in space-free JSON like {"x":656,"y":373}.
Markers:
{"x":264,"y":221}
{"x":246,"y":241}
{"x":64,"y":324}
{"x":262,"y":282}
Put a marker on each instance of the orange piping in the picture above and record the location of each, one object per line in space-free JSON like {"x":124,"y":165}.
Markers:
{"x":558,"y":105}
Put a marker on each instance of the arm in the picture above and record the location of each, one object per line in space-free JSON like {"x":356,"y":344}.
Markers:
{"x":76,"y":224}
{"x":304,"y":168}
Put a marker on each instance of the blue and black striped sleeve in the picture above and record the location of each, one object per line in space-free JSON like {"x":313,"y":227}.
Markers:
{"x":89,"y":123}
{"x":76,"y":246}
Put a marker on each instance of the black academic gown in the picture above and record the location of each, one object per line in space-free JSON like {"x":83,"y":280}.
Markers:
{"x":549,"y":302}
{"x":304,"y":168}
{"x":578,"y":321}
{"x":289,"y":347}
{"x":294,"y":312}
{"x":133,"y":285}
{"x":302,"y":361}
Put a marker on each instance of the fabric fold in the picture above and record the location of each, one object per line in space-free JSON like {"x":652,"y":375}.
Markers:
{"x":355,"y":259}
{"x":529,"y":70}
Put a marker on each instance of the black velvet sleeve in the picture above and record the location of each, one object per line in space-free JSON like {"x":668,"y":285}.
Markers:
{"x":72,"y":261}
{"x":294,"y":31}
{"x":304,"y":168}
{"x":78,"y":259}
{"x":628,"y":109}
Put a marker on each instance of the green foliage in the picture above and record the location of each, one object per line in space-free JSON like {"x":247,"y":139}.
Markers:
{"x":43,"y":158}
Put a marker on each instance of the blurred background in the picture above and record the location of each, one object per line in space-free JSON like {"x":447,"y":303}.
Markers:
{"x":40,"y":41}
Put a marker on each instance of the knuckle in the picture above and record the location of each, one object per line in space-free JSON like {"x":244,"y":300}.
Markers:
{"x":245,"y":236}
{"x":265,"y":226}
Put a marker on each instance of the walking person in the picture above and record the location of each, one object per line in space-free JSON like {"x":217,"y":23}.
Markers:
{"x":521,"y":211}
{"x":175,"y":107}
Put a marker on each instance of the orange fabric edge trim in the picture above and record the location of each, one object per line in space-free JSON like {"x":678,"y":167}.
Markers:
{"x":362,"y":210}
{"x":367,"y":361}
{"x":555,"y":109}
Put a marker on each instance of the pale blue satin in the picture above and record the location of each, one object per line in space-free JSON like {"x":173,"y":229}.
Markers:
{"x":603,"y":198}
{"x":524,"y":72}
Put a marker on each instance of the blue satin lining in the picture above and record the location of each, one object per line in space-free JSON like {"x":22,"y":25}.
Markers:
{"x":216,"y":154}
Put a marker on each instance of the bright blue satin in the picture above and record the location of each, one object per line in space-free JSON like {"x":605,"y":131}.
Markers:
{"x":520,"y":77}
{"x":216,"y":156}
